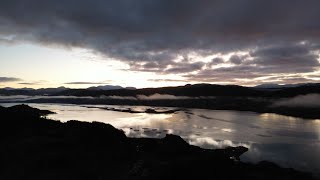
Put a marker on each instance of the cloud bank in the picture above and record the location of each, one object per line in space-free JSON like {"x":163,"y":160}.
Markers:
{"x":162,"y":97}
{"x":309,"y":100}
{"x":249,"y":39}
{"x":84,"y":83}
{"x":9,"y":79}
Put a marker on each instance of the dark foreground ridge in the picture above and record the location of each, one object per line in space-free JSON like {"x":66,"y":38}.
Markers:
{"x":33,"y":147}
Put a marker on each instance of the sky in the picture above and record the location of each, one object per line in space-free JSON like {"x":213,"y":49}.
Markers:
{"x":154,"y":43}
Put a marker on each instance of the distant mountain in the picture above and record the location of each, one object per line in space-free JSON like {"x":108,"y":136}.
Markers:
{"x":196,"y":90}
{"x":106,"y":87}
{"x":30,"y":91}
{"x":131,"y":88}
{"x":26,"y":89}
{"x":8,"y":88}
{"x":187,"y":90}
{"x":53,"y":91}
{"x":49,"y":91}
{"x":6,"y":92}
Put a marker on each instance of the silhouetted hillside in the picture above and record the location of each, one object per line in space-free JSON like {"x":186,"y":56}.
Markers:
{"x":15,"y":92}
{"x":198,"y":90}
{"x":195,"y":90}
{"x":187,"y":90}
{"x":31,"y":92}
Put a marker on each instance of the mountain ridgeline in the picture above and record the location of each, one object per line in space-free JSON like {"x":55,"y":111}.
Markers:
{"x":199,"y":90}
{"x":196,"y":90}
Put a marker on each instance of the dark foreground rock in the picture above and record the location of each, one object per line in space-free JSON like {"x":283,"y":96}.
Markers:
{"x":33,"y":147}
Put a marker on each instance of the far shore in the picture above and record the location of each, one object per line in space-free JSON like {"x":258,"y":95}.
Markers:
{"x":220,"y":103}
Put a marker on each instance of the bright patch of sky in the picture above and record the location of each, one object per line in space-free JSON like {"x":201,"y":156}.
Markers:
{"x":40,"y":66}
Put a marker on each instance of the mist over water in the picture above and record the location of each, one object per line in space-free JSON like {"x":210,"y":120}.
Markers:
{"x":309,"y":100}
{"x":133,"y":98}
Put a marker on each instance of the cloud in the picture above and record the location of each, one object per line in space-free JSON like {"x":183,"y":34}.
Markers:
{"x":279,"y":36}
{"x":119,"y":97}
{"x":7,"y":41}
{"x":151,"y":97}
{"x":225,"y":74}
{"x":9,"y":79}
{"x":309,"y":100}
{"x":284,"y":58}
{"x":28,"y":83}
{"x":167,"y":80}
{"x":236,"y":59}
{"x":284,"y":62}
{"x":215,"y":61}
{"x":167,"y":67}
{"x":84,"y":83}
{"x":184,"y":67}
{"x":161,"y":97}
{"x":33,"y":83}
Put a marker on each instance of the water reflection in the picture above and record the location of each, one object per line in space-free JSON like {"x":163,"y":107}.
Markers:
{"x":290,"y":142}
{"x":272,"y":116}
{"x":305,"y":157}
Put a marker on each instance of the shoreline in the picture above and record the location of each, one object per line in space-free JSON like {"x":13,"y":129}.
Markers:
{"x":220,"y":104}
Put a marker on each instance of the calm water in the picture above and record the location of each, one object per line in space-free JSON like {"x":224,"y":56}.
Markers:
{"x":287,"y":141}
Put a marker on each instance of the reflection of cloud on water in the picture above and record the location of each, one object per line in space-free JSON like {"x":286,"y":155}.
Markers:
{"x":228,"y":121}
{"x":194,"y":139}
{"x":299,"y":156}
{"x":276,"y":117}
{"x":147,"y":132}
{"x":227,"y":130}
{"x":144,"y":120}
{"x":210,"y":143}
